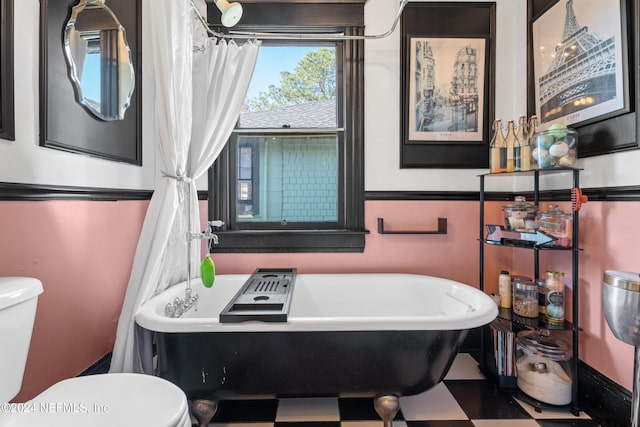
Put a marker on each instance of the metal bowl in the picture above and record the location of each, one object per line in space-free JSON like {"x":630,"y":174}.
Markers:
{"x":621,"y":304}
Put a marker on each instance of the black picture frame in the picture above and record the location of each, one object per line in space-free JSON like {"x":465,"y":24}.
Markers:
{"x":447,"y":20}
{"x":560,"y":91}
{"x":615,"y":130}
{"x":64,"y":123}
{"x":433,"y":118}
{"x":7,"y":115}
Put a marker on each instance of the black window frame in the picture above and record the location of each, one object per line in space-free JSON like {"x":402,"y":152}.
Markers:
{"x":348,"y":234}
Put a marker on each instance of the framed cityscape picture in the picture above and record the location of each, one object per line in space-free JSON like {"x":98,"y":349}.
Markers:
{"x":446,"y":89}
{"x":447,"y":84}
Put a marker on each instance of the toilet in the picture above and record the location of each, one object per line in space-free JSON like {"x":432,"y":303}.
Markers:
{"x":105,"y":400}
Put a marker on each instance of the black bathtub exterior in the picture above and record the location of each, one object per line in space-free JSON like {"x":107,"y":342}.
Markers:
{"x":237,"y":365}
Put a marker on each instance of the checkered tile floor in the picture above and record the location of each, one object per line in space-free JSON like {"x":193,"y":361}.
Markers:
{"x":463,"y":399}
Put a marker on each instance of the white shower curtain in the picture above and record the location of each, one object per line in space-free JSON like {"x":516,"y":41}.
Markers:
{"x":185,"y":125}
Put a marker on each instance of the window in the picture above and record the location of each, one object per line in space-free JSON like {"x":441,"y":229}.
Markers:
{"x":291,"y":177}
{"x":295,"y":180}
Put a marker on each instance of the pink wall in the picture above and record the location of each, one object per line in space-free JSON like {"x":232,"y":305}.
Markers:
{"x":608,"y":238}
{"x":454,"y":255}
{"x":83,"y":252}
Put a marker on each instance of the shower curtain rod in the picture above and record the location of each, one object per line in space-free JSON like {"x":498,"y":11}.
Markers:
{"x":297,"y":36}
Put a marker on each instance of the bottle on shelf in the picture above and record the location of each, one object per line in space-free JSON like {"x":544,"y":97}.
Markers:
{"x":510,"y":141}
{"x":523,"y":144}
{"x":542,"y":295}
{"x":504,"y":287}
{"x":554,"y":310}
{"x":517,"y":160}
{"x":496,"y":148}
{"x":532,"y":129}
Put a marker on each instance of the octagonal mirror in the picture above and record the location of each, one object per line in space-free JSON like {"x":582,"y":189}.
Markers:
{"x":99,"y":59}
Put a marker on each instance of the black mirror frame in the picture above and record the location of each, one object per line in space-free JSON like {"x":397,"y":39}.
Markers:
{"x":120,"y":140}
{"x":7,"y":115}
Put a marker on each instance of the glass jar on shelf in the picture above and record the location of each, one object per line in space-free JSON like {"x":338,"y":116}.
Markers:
{"x":520,"y":215}
{"x":556,"y":223}
{"x":543,"y":366}
{"x":525,"y":298}
{"x":556,"y":147}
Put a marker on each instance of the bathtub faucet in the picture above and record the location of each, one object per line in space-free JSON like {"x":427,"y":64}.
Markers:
{"x":181,"y":305}
{"x":207,"y":234}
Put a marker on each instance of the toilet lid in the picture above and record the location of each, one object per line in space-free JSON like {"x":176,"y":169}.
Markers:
{"x":107,"y":400}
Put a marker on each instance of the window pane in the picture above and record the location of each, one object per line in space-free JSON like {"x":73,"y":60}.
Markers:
{"x":292,"y":87}
{"x":294,"y":179}
{"x":245,"y":190}
{"x":245,"y":161}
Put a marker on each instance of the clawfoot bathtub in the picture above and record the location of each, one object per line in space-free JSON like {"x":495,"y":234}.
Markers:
{"x":349,"y":335}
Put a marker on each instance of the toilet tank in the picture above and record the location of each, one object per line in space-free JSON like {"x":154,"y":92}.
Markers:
{"x":18,"y":300}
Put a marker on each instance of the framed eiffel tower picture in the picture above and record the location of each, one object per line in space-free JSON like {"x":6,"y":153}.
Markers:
{"x":579,"y":72}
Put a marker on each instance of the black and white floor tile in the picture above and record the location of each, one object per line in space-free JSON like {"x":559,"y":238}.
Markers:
{"x":464,"y":399}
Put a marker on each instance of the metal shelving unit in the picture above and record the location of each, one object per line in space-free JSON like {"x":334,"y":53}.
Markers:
{"x":572,"y":326}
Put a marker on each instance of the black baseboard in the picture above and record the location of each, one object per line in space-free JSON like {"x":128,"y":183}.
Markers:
{"x":606,"y":402}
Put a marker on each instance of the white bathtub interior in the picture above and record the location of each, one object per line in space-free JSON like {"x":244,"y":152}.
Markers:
{"x":336,"y":302}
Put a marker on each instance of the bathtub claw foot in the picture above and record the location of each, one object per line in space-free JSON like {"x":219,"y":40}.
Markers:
{"x":203,"y":411}
{"x":387,"y":407}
